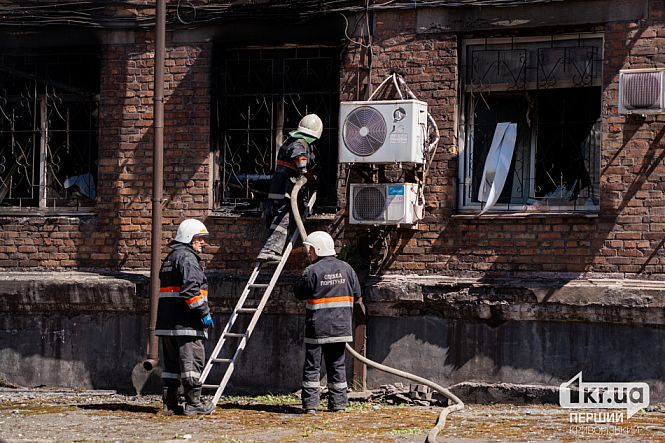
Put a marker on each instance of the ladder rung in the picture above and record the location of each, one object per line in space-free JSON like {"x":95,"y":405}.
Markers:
{"x":222,"y":360}
{"x":234,"y":334}
{"x":210,"y":386}
{"x":259,"y":285}
{"x":247,"y":310}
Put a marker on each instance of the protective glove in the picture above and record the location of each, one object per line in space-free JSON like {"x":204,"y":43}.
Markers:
{"x":207,"y":321}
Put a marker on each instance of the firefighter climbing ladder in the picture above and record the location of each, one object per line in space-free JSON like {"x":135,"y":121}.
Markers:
{"x":241,"y":338}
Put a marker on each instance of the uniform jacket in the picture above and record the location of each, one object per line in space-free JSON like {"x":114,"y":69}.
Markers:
{"x":329,"y":287}
{"x":183,"y":294}
{"x":292,"y":152}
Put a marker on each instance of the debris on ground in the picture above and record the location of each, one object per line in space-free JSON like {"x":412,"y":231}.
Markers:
{"x":57,"y":414}
{"x":410,"y":394}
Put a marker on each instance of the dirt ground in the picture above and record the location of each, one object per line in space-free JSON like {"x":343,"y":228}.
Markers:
{"x":48,"y":415}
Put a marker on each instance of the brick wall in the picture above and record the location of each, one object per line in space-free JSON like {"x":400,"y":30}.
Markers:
{"x":43,"y":242}
{"x":627,"y":237}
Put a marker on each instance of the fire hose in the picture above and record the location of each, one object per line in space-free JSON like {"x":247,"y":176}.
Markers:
{"x":457,"y":403}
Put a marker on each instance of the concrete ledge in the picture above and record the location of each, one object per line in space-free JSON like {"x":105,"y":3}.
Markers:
{"x":621,"y":301}
{"x":73,"y":292}
{"x":86,"y":329}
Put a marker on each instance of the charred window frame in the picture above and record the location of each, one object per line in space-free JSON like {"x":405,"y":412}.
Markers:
{"x":48,"y":127}
{"x":551,"y":87}
{"x":259,"y":95}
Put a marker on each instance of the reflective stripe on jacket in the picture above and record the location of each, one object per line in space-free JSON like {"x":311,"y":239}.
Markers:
{"x":183,"y":294}
{"x":329,"y":287}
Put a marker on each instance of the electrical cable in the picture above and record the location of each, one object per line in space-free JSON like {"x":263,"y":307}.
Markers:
{"x":457,"y":405}
{"x":100,"y":14}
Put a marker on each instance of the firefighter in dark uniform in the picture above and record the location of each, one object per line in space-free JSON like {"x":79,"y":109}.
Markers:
{"x":329,"y":287}
{"x":295,"y":158}
{"x":183,"y":317}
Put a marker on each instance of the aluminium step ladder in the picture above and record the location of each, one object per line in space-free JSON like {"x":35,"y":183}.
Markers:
{"x":241,"y":338}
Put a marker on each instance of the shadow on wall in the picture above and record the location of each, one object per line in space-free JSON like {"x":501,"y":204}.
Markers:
{"x":95,"y":350}
{"x":453,"y":351}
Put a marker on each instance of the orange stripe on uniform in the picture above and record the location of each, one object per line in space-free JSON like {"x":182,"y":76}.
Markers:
{"x":169,"y":289}
{"x":193,"y":299}
{"x":317,"y":301}
{"x":204,"y":292}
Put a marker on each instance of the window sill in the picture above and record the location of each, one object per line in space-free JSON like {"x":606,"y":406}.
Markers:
{"x":49,"y":212}
{"x":220,"y":213}
{"x":530,"y":214}
{"x":258,"y":214}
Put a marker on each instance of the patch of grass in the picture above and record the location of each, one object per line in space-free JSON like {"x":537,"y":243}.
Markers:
{"x":359,"y":406}
{"x":309,"y":430}
{"x":267,"y":399}
{"x":25,"y":408}
{"x":270,"y":399}
{"x":406,"y":431}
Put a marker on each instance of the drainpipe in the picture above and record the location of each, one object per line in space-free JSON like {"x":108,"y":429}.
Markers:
{"x":157,"y":182}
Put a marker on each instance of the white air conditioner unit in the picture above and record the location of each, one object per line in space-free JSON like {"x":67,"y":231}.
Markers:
{"x":390,"y":131}
{"x":384,"y":204}
{"x":641,"y":91}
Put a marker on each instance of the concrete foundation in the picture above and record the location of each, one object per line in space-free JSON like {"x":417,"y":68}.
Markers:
{"x":88,"y":330}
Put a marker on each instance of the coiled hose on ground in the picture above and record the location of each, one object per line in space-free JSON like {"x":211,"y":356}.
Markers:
{"x":457,"y":403}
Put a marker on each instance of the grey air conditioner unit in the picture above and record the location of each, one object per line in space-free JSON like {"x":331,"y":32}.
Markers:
{"x":387,"y":131}
{"x":641,"y":91}
{"x":384,"y":204}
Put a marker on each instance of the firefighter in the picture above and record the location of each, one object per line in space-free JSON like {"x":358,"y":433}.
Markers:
{"x":294,"y":159}
{"x":329,"y":287}
{"x":183,"y":319}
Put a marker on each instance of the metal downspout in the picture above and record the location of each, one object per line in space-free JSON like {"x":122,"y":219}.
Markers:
{"x":157,"y":181}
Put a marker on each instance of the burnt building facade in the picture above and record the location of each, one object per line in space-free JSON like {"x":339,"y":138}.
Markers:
{"x":571,"y":254}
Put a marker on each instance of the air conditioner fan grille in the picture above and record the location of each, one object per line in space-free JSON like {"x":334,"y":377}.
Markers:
{"x":369,"y":203}
{"x":364,"y":131}
{"x":641,"y":90}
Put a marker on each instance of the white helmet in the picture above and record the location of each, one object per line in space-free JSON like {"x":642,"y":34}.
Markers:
{"x":322,"y":242}
{"x":188,"y":229}
{"x":312,"y":125}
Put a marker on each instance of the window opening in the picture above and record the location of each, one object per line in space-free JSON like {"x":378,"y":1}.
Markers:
{"x":48,"y":128}
{"x":551,"y":89}
{"x":259,"y":95}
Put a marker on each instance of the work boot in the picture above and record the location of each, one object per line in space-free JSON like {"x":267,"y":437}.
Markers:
{"x":173,"y":409}
{"x":310,"y":411}
{"x":199,"y":409}
{"x":170,"y":397}
{"x":269,"y":257}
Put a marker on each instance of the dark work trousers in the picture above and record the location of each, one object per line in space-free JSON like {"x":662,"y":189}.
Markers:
{"x":282,"y":224}
{"x":184,"y":358}
{"x":333,"y":353}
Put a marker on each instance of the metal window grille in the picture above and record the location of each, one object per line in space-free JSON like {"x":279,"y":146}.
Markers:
{"x":48,"y":128}
{"x":258,"y":96}
{"x":550,"y":88}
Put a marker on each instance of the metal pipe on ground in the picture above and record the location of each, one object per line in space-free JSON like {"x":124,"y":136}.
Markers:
{"x":142,"y":371}
{"x":457,"y":405}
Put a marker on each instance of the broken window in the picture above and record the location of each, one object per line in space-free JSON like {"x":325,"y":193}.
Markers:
{"x":549,"y":89}
{"x":48,"y":127}
{"x":259,"y":96}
